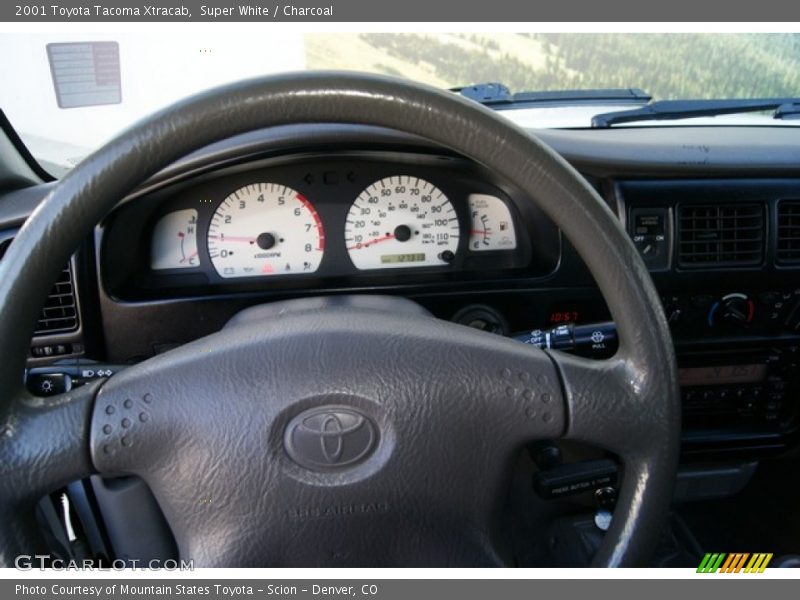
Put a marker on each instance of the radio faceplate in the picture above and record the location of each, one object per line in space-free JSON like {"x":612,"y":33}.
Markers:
{"x":745,"y":391}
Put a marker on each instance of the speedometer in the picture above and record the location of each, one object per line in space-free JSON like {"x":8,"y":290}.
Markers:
{"x":265,"y":229}
{"x":401,"y":221}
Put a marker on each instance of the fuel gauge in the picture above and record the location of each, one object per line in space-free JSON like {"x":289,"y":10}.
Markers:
{"x":175,"y":241}
{"x":491,"y":226}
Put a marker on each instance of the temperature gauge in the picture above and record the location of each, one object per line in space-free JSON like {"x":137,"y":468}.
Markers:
{"x":491,"y":227}
{"x":175,"y":241}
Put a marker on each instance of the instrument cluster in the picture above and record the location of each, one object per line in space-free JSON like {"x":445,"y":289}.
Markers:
{"x":318,"y":219}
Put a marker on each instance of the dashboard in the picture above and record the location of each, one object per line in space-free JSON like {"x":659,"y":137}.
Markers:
{"x":327,"y":210}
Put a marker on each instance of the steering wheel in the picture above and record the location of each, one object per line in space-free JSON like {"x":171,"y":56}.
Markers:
{"x":351,"y":431}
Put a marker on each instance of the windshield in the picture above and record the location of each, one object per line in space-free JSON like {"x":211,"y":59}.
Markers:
{"x":72,"y":92}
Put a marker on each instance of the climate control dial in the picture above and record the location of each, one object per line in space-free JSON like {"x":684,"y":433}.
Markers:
{"x":735,"y":310}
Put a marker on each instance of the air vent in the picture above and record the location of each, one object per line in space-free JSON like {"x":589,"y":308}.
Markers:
{"x":730,"y":235}
{"x":60,"y":312}
{"x":788,"y":250}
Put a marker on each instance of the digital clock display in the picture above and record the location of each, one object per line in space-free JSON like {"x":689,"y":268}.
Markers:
{"x":577,"y":312}
{"x":558,"y":317}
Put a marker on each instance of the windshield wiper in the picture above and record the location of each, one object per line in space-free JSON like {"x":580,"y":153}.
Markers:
{"x":687,"y":109}
{"x":499,"y":95}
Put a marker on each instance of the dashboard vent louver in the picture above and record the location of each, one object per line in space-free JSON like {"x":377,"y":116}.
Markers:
{"x":720,"y":235}
{"x":60,"y":311}
{"x":788,"y":249}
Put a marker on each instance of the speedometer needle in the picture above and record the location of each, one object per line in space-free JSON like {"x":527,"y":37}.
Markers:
{"x":388,"y":236}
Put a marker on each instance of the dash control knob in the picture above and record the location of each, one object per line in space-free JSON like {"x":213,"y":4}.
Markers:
{"x":672,"y":309}
{"x":736,"y":310}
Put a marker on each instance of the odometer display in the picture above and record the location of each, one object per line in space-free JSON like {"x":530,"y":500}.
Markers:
{"x":401,"y":221}
{"x":400,"y":258}
{"x":265,"y":229}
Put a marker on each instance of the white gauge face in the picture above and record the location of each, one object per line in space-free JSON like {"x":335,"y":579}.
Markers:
{"x":265,"y":229}
{"x":491,"y":226}
{"x":175,"y":241}
{"x":401,"y":221}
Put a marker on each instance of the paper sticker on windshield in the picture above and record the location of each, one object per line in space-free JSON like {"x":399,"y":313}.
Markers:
{"x":85,"y":73}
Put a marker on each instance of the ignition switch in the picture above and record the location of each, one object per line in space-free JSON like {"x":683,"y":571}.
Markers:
{"x":483,"y":317}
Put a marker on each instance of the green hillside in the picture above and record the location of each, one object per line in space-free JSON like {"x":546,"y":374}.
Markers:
{"x":666,"y":65}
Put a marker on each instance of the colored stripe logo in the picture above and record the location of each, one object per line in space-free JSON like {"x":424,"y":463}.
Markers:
{"x":737,"y":562}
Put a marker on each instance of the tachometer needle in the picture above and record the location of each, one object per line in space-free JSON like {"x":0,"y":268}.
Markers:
{"x":388,"y":236}
{"x":479,"y":232}
{"x":233,"y":238}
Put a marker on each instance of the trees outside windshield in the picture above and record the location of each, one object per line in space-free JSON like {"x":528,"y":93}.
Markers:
{"x":666,"y":65}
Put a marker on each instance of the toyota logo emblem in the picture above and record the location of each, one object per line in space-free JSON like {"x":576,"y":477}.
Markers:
{"x":329,"y":438}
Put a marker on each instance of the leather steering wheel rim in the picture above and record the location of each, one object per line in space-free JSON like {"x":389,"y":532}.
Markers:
{"x":632,"y":400}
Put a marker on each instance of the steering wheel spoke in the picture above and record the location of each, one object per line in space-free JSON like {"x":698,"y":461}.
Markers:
{"x":44,"y":444}
{"x":609,"y":404}
{"x":616,"y":405}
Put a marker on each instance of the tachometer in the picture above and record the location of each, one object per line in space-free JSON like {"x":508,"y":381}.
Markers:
{"x":265,"y":229}
{"x":401,"y":221}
